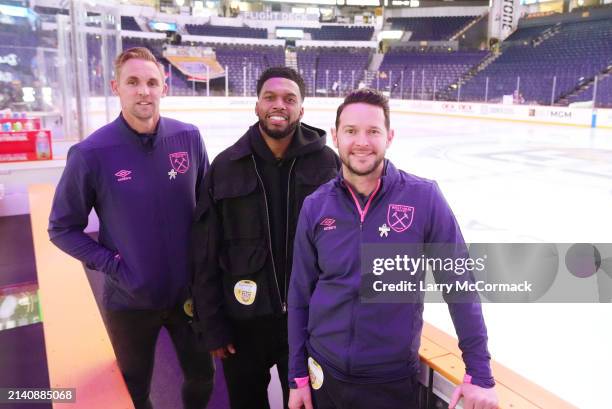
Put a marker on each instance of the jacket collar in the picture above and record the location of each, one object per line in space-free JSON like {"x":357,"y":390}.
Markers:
{"x":389,"y":177}
{"x":306,"y":139}
{"x":242,"y":147}
{"x":134,"y":136}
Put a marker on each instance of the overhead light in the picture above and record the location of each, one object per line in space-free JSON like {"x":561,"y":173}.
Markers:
{"x":289,"y":33}
{"x":390,"y":35}
{"x":13,"y":11}
{"x":28,"y":94}
{"x":47,"y":94}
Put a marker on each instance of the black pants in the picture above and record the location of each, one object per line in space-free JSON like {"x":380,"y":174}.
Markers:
{"x":336,"y":394}
{"x":260,"y":344}
{"x":134,"y":333}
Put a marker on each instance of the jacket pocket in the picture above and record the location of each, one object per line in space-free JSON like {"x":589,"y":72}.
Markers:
{"x":240,"y":210}
{"x":245,"y":281}
{"x":384,"y":347}
{"x":119,"y":290}
{"x":243,"y":259}
{"x":123,"y":278}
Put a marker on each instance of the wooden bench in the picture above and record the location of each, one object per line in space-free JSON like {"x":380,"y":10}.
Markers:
{"x":440,"y":352}
{"x":79,"y":352}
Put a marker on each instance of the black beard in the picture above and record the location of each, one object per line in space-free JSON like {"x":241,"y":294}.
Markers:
{"x":279,"y":134}
{"x":360,"y":173}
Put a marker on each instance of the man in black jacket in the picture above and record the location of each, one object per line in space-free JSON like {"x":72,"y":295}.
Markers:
{"x":243,"y":237}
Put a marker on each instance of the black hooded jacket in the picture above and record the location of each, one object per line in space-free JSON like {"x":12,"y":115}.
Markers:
{"x":244,"y":227}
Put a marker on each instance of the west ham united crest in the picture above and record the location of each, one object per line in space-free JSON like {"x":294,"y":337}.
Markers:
{"x":179,"y":161}
{"x":399,"y":217}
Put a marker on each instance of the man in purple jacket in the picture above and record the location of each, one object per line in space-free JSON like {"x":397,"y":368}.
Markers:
{"x":361,"y":354}
{"x":141,"y":173}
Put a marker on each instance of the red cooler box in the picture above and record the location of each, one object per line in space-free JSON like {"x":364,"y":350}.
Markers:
{"x":16,"y":146}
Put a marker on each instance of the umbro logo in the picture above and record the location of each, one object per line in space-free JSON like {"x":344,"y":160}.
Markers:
{"x":328,"y":223}
{"x":123,"y":175}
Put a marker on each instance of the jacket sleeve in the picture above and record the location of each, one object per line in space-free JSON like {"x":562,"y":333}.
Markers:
{"x":204,"y":164}
{"x":445,"y":237}
{"x":209,"y":318}
{"x":304,"y":276}
{"x":74,"y":198}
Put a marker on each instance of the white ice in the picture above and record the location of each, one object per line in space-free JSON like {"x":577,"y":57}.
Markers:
{"x":506,"y":182}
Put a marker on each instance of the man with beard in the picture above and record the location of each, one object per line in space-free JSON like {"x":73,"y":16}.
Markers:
{"x":361,"y":353}
{"x":243,"y":237}
{"x":141,"y":173}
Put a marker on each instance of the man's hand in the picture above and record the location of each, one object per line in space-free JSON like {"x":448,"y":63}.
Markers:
{"x":223,"y":352}
{"x":300,"y":398}
{"x":474,"y":397}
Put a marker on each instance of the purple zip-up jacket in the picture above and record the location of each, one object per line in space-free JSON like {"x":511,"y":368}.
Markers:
{"x":144,"y":197}
{"x":370,"y":342}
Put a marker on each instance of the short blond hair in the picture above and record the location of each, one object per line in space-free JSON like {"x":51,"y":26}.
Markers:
{"x":140,"y":53}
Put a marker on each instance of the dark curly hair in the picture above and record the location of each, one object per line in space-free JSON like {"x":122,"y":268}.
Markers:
{"x":282,"y":72}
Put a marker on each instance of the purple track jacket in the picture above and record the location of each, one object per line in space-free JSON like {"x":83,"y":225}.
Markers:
{"x":370,"y":342}
{"x":144,"y":196}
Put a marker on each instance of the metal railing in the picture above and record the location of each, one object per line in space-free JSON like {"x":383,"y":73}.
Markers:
{"x":416,"y":84}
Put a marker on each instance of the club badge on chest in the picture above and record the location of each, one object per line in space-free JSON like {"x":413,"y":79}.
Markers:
{"x":180,"y":164}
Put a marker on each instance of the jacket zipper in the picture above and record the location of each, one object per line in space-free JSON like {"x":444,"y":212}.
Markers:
{"x":362,"y":215}
{"x":284,"y":302}
{"x":263,"y":188}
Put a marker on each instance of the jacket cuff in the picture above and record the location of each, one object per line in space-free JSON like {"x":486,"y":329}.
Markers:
{"x":297,"y":373}
{"x":302,"y":382}
{"x":482,"y":382}
{"x":114,"y":265}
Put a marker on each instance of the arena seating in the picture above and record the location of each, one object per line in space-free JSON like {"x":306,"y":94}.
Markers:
{"x":18,"y":50}
{"x":129,"y":23}
{"x":156,"y":46}
{"x":18,"y":35}
{"x":603,"y":98}
{"x":568,"y":54}
{"x":177,"y":81}
{"x":26,"y":64}
{"x":441,"y":68}
{"x":307,"y":65}
{"x":255,"y":58}
{"x":430,"y":28}
{"x":250,"y":61}
{"x":340,"y":64}
{"x":96,"y":83}
{"x":50,"y":11}
{"x":226,"y":31}
{"x":575,"y":54}
{"x":527,"y":33}
{"x":339,"y":33}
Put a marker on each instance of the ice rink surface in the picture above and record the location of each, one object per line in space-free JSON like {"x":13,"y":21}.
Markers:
{"x":506,"y":182}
